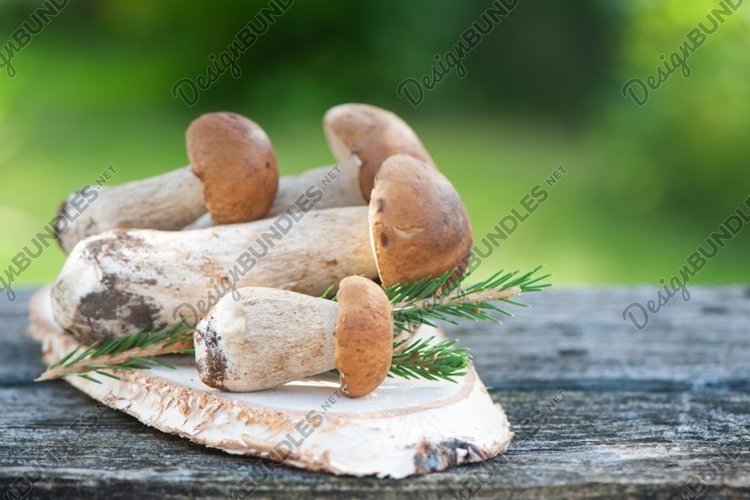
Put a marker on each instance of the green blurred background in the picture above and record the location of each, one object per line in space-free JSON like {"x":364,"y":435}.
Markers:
{"x":644,"y":185}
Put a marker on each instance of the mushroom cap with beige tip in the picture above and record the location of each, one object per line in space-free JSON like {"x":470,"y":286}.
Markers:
{"x":364,"y":336}
{"x":235,"y":160}
{"x":372,"y":134}
{"x":419,"y":225}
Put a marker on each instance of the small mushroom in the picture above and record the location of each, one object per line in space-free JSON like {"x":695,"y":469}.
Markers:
{"x":415,"y":226}
{"x":233,"y":175}
{"x":270,"y":337}
{"x":361,"y":137}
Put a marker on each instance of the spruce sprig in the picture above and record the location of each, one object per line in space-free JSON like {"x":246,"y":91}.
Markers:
{"x":137,"y":351}
{"x":441,"y":299}
{"x":425,"y":359}
{"x":423,"y":302}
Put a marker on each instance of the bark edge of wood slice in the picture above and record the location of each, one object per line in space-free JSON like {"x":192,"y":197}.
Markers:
{"x":402,"y":429}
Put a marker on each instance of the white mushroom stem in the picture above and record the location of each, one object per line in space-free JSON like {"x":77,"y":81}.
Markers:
{"x":232,"y":174}
{"x":339,"y":183}
{"x":121,"y":282}
{"x":168,"y":202}
{"x":242,"y":346}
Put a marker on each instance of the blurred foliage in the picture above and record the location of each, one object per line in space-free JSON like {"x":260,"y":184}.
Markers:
{"x":645,"y":185}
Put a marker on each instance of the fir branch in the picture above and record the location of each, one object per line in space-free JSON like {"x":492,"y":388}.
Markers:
{"x":442,"y":299}
{"x":137,"y":351}
{"x":422,"y":302}
{"x":427,"y":360}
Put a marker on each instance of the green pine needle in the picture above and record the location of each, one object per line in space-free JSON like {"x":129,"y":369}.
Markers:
{"x":431,"y":361}
{"x":137,"y":351}
{"x":440,"y":299}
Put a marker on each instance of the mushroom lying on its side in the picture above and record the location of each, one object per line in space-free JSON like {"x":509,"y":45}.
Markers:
{"x":233,"y":175}
{"x":270,"y":337}
{"x":118,"y":283}
{"x":361,"y":137}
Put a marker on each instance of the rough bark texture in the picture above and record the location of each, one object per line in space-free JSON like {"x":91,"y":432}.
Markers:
{"x":643,"y":414}
{"x":402,"y":429}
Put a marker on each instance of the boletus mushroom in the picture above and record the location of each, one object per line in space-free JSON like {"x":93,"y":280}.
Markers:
{"x":233,"y":175}
{"x":270,"y":337}
{"x":120,"y":282}
{"x":370,"y":135}
{"x":361,"y":137}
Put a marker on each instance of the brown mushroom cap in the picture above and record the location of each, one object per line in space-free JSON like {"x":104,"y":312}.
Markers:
{"x":235,"y":160}
{"x":364,"y":336}
{"x":373,"y":134}
{"x":419,"y":223}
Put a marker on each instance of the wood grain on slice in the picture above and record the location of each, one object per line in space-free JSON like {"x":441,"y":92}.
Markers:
{"x":404,"y":428}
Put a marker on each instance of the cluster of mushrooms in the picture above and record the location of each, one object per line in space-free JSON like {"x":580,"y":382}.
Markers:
{"x":185,"y":240}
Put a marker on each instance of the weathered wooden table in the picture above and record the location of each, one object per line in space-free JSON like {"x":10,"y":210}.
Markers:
{"x":658,"y":413}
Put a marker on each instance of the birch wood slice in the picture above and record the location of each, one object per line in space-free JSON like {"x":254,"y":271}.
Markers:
{"x":403,"y":428}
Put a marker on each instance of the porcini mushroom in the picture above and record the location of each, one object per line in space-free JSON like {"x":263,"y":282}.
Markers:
{"x":361,"y":137}
{"x":270,"y":337}
{"x":372,"y":135}
{"x":364,"y":336}
{"x":233,"y":175}
{"x":415,"y":226}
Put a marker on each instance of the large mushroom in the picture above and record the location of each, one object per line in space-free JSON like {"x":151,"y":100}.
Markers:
{"x":361,"y":137}
{"x":233,"y":175}
{"x":415,"y":226}
{"x":270,"y":337}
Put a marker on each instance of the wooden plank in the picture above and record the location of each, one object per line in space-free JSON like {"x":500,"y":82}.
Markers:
{"x":643,"y":413}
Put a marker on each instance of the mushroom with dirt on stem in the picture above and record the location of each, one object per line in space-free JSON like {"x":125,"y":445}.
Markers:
{"x":118,"y":283}
{"x":270,"y":337}
{"x":233,"y":175}
{"x":422,"y":303}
